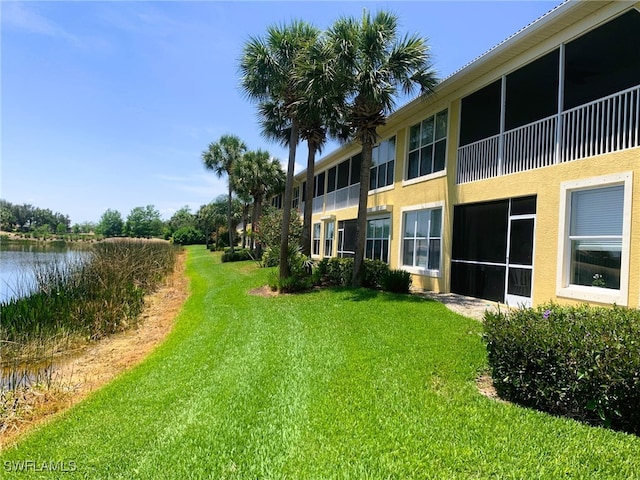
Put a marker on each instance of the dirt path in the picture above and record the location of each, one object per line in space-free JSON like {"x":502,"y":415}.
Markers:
{"x":102,"y":361}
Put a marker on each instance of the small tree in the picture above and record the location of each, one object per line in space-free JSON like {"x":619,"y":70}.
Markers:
{"x":110,"y":224}
{"x":144,"y":222}
{"x":270,"y":231}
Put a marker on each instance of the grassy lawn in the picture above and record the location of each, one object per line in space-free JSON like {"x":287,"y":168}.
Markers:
{"x":330,"y":384}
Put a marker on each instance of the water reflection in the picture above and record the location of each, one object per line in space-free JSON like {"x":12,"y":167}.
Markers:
{"x":19,"y":260}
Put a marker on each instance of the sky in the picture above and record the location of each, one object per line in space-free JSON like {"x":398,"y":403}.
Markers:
{"x":110,"y":104}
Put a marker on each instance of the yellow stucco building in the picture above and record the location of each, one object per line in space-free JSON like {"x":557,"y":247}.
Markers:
{"x":518,"y":181}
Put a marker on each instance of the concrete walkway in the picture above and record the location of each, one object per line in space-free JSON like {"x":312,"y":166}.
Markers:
{"x":468,"y":306}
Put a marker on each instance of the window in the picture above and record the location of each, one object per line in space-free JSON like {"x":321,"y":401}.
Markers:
{"x":347,"y":238}
{"x":427,"y":146}
{"x":295,"y":203}
{"x":316,"y":239}
{"x":377,"y":243}
{"x":480,"y":115}
{"x":594,"y":250}
{"x":277,"y":201}
{"x":328,"y":238}
{"x":595,"y":237}
{"x":343,"y":184}
{"x":421,"y":239}
{"x":318,"y":187}
{"x":603,"y":61}
{"x":383,"y":164}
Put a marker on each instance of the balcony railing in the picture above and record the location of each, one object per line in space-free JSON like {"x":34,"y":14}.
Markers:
{"x":606,"y":125}
{"x":342,"y":198}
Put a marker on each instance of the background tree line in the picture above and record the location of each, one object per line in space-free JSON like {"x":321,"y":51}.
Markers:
{"x":28,"y":218}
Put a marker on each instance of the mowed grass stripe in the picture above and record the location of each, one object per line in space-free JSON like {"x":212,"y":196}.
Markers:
{"x":336,"y":383}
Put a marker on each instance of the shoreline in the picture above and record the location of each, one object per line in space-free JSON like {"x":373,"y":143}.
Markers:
{"x":100,"y":362}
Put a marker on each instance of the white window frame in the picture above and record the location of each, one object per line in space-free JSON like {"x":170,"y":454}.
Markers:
{"x":378,"y":165}
{"x":583,"y":292}
{"x":367,"y":238}
{"x":328,"y":252}
{"x":422,"y":270}
{"x":406,"y":181}
{"x":315,"y":252}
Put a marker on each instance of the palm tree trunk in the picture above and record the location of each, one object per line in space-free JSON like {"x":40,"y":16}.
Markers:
{"x":288,"y":193}
{"x":361,"y":231}
{"x":255,"y":223}
{"x":229,"y":223}
{"x":308,"y":206}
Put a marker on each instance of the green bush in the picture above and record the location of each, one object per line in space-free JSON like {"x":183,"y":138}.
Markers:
{"x":396,"y":281}
{"x":374,"y":271}
{"x":580,"y":362}
{"x":238,"y":255}
{"x":188,"y":236}
{"x":339,"y":271}
{"x":301,"y":275}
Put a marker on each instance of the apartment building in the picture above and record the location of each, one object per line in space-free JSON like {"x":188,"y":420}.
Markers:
{"x":518,"y":181}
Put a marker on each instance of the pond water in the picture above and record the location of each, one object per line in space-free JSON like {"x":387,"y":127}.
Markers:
{"x":18,"y":261}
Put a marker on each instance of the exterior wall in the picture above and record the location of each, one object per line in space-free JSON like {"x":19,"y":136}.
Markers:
{"x":546,"y":184}
{"x":441,"y":187}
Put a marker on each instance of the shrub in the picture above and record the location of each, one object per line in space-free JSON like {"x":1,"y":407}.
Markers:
{"x":270,"y":231}
{"x":339,"y":271}
{"x":301,"y":276}
{"x":238,"y":255}
{"x":374,"y":271}
{"x":581,"y":362}
{"x":188,"y":236}
{"x":396,"y":281}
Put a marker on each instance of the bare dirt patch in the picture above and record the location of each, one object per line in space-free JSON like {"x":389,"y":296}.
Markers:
{"x":486,"y":388}
{"x":101,"y":361}
{"x":264,"y":291}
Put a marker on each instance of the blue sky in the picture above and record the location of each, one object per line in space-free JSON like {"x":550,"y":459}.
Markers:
{"x":110,"y":104}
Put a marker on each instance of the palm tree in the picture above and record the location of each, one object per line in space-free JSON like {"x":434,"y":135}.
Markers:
{"x":220,"y":157}
{"x":320,"y":115}
{"x":258,"y":176}
{"x":373,"y":64}
{"x":269,"y":69}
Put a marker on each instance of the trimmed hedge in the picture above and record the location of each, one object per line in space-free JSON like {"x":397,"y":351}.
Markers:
{"x":396,"y":281}
{"x":580,"y":362}
{"x":188,"y":236}
{"x":239,"y":255}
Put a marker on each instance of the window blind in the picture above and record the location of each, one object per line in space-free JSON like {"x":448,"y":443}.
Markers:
{"x":597,"y":212}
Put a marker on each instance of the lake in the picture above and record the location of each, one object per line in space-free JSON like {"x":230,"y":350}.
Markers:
{"x":18,"y":261}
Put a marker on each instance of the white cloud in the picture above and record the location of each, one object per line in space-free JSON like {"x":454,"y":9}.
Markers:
{"x":206,"y":186}
{"x":17,"y":15}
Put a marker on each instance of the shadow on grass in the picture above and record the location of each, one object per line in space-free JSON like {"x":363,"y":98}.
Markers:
{"x":364,"y":294}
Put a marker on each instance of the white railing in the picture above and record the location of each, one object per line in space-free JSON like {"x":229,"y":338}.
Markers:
{"x":342,"y":198}
{"x":606,"y":125}
{"x":531,"y":146}
{"x":478,"y":160}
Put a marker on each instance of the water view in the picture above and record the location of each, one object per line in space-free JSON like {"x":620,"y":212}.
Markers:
{"x":19,"y":262}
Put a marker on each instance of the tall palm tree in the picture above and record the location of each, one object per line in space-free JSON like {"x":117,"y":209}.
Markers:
{"x":258,"y":176}
{"x":220,"y":157}
{"x":320,"y":115}
{"x":269,"y":69}
{"x":374,"y":64}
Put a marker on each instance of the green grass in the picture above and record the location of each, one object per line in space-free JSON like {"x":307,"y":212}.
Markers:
{"x":331,"y":384}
